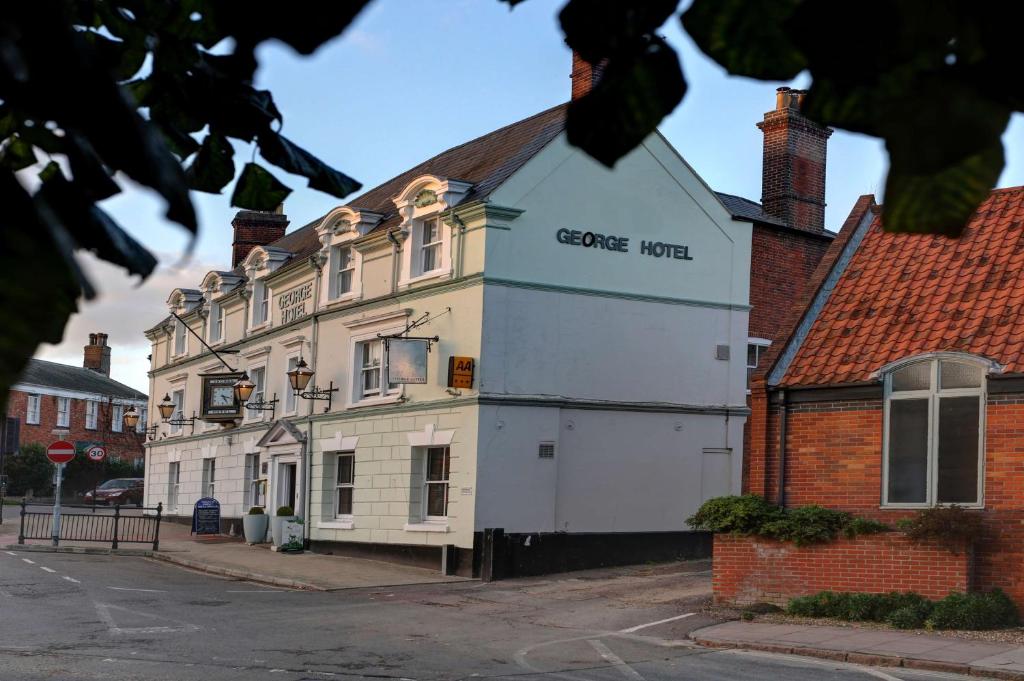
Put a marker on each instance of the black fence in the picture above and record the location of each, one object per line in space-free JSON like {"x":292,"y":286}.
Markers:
{"x":83,"y":523}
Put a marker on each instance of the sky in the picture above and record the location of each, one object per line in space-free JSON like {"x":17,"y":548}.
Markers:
{"x":408,"y":80}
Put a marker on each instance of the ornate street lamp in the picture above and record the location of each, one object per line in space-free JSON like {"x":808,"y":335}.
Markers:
{"x":243,"y":391}
{"x":166,"y":408}
{"x":299,"y":378}
{"x":131,"y":421}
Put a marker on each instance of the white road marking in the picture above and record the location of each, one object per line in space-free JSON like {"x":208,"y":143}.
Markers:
{"x":30,"y":562}
{"x":71,"y":579}
{"x":10,"y":553}
{"x":124,"y":588}
{"x":103,"y":610}
{"x":43,"y":567}
{"x":258,"y":591}
{"x":654,"y":624}
{"x":619,"y":664}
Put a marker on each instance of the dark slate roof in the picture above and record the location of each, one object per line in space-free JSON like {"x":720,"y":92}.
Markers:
{"x":745,"y":209}
{"x":53,"y":375}
{"x":485,"y":162}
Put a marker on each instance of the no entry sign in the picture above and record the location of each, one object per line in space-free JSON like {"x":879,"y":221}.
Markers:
{"x":60,"y":451}
{"x":96,"y":453}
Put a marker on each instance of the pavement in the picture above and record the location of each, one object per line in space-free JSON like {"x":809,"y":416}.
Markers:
{"x":875,"y":647}
{"x":231,"y":557}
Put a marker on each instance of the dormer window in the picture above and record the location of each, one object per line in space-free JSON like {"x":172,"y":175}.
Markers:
{"x":343,"y":264}
{"x":216,"y":322}
{"x":430,"y":246}
{"x":260,"y":303}
{"x":180,"y":338}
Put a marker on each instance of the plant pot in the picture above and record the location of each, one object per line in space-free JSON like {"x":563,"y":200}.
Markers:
{"x":277,"y":527}
{"x":291,"y":536}
{"x":255,"y":527}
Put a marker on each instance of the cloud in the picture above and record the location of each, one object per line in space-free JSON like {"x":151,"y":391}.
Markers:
{"x":123,"y":310}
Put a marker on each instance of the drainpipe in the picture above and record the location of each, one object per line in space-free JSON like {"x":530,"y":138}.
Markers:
{"x":307,"y":445}
{"x":782,"y":447}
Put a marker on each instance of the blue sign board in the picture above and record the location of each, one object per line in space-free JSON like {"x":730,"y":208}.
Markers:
{"x":206,"y":516}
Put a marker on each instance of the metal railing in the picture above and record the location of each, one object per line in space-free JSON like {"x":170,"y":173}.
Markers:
{"x":76,"y":525}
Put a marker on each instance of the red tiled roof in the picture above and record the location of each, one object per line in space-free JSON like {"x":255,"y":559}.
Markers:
{"x":906,"y":294}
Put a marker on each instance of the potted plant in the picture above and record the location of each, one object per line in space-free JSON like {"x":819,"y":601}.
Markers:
{"x":254,"y":524}
{"x":284,"y":513}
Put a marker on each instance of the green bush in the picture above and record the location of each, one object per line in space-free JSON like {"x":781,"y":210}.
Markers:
{"x":745,"y":514}
{"x":285,"y":511}
{"x":751,"y":514}
{"x":908,"y":610}
{"x":256,"y":510}
{"x":952,"y":526}
{"x":29,"y":469}
{"x":991,"y":610}
{"x":909,"y":617}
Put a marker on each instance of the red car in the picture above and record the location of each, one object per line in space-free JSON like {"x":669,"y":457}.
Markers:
{"x":122,"y":491}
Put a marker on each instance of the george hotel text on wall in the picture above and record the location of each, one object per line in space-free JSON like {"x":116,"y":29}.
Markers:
{"x":620,"y":244}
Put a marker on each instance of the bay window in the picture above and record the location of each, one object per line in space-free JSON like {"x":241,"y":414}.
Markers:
{"x":934,"y":433}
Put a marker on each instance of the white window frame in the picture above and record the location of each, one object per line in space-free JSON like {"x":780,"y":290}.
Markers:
{"x":173,"y":484}
{"x":358,"y":396}
{"x":178,"y":398}
{"x":337,"y":271}
{"x":427,"y":483}
{"x":32,"y":409}
{"x":259,"y":392}
{"x":291,"y":400}
{"x":92,"y":414}
{"x":255,"y":486}
{"x":423,"y":247}
{"x":64,"y":415}
{"x":216,"y":328}
{"x":339,"y":485}
{"x":180,"y":339}
{"x":933,"y":395}
{"x":209,"y":478}
{"x":117,"y":418}
{"x":260,"y":304}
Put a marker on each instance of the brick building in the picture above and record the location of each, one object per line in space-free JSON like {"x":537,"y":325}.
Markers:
{"x":81,"y":404}
{"x":901,"y":387}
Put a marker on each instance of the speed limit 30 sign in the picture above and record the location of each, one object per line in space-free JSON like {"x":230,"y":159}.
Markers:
{"x":96,"y":453}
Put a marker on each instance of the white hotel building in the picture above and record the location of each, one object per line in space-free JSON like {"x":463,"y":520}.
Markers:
{"x":605,"y":312}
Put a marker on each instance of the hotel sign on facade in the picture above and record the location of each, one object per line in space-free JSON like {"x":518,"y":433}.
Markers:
{"x":296,"y":303}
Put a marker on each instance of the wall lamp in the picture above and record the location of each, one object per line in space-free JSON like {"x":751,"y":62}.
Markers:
{"x":131,"y":421}
{"x":299,"y":379}
{"x":243,"y":391}
{"x":167,"y":408}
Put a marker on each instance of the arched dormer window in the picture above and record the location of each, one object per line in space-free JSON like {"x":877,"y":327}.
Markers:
{"x":339,"y":231}
{"x":215,"y":286}
{"x":260,"y":262}
{"x":426,"y":253}
{"x":934,"y":430}
{"x":181,"y":302}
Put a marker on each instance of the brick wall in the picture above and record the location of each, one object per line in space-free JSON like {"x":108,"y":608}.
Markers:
{"x":749,"y":570}
{"x":127,"y":445}
{"x":834,"y":459}
{"x":254,"y":228}
{"x":781,"y":264}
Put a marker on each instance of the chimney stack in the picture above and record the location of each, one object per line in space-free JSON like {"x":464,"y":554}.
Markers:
{"x":255,"y":228}
{"x":793,"y":170}
{"x":97,"y":354}
{"x":584,"y":75}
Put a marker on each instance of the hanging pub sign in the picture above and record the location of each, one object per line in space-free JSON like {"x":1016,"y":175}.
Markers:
{"x":460,"y":372}
{"x":206,"y":516}
{"x":406,"y":360}
{"x":219,"y":401}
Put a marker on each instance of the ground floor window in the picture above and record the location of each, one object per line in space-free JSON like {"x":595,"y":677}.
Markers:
{"x":173,"y":479}
{"x":255,"y":488}
{"x":436,"y":482}
{"x":345,"y":485}
{"x":934,"y":413}
{"x":209,"y":478}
